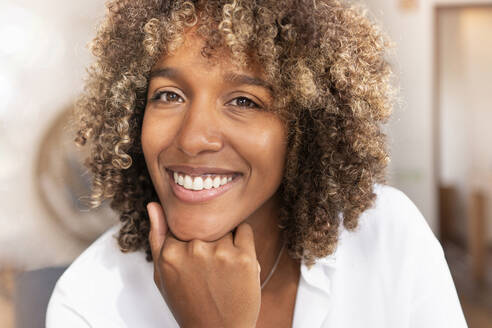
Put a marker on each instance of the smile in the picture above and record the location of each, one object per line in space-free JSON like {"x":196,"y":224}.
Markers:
{"x":199,"y":188}
{"x":196,"y":183}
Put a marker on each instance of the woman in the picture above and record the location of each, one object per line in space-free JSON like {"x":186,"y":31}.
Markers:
{"x":241,"y":143}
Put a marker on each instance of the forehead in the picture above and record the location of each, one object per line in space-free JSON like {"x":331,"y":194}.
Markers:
{"x":192,"y":53}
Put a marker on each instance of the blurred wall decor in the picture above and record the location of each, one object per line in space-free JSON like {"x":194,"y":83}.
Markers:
{"x":63,"y":183}
{"x":43,"y":56}
{"x":408,"y":5}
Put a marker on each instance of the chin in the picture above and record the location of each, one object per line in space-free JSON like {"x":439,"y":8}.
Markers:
{"x":186,"y":230}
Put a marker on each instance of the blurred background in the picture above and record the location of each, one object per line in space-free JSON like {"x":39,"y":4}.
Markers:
{"x":440,"y":141}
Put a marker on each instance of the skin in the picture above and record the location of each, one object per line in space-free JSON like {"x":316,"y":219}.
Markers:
{"x":207,"y":255}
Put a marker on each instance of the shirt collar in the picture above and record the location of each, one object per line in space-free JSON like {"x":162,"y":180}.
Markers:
{"x":313,"y":294}
{"x":319,"y":274}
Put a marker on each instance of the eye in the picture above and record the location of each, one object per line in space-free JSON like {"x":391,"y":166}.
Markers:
{"x":167,"y":97}
{"x":244,"y":102}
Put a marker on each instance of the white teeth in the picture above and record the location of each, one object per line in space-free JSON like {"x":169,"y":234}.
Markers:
{"x":200,"y":183}
{"x":188,"y":182}
{"x":216,"y":182}
{"x":208,"y":183}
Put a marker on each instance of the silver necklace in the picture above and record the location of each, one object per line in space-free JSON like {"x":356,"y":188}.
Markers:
{"x":277,"y":260}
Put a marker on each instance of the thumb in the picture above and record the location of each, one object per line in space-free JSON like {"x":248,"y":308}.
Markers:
{"x":158,"y":227}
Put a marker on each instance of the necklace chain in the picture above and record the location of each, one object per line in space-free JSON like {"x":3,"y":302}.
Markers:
{"x":277,"y":260}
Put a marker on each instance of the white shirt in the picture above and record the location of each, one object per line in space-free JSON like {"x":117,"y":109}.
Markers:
{"x":390,"y":272}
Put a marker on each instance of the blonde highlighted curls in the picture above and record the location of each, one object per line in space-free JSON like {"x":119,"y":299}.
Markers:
{"x":331,"y":84}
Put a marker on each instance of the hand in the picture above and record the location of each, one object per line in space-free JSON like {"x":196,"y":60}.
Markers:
{"x":206,"y":284}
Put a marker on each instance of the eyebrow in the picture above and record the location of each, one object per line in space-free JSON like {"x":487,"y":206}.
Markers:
{"x":164,"y":72}
{"x":169,"y":72}
{"x":245,"y":79}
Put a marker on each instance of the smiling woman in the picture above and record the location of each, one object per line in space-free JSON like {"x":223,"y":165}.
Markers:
{"x":211,"y":126}
{"x":241,"y":143}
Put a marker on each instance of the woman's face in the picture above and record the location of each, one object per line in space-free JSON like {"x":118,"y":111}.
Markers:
{"x":213,"y":150}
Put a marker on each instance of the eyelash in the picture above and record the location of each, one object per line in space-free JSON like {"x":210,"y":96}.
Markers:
{"x":158,"y":95}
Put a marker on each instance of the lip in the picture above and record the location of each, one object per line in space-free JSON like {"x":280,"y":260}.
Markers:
{"x":199,"y":170}
{"x":197,"y":196}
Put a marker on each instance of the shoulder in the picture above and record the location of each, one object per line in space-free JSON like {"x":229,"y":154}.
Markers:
{"x":394,"y":215}
{"x":393,"y":207}
{"x":390,"y":232}
{"x":391,"y":270}
{"x":97,"y":265}
{"x":408,"y":255}
{"x":103,"y":283}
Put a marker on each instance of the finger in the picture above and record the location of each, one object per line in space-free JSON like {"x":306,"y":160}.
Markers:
{"x":158,"y":228}
{"x":244,"y":238}
{"x":225,"y":243}
{"x":172,"y":241}
{"x":228,"y":239}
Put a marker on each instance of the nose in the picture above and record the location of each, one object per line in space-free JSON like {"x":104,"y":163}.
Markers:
{"x":200,"y":131}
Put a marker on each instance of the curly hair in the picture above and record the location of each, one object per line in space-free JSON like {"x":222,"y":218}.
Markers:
{"x":331,"y":82}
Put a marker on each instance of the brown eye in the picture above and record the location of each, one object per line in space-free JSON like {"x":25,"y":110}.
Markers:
{"x":244,"y":102}
{"x":167,"y":97}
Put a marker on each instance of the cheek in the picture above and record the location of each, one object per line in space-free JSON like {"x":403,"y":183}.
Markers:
{"x":264,"y":147}
{"x":155,"y":137}
{"x":272,"y":148}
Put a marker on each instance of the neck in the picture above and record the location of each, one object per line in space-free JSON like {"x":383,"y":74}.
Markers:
{"x":268,"y":239}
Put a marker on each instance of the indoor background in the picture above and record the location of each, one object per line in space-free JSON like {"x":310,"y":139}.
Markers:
{"x":440,"y":140}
